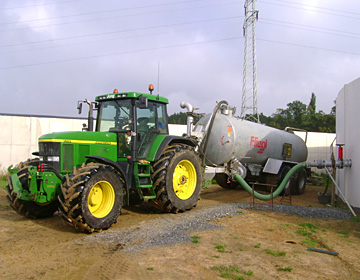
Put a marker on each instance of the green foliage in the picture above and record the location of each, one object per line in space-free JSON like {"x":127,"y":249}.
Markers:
{"x":229,"y":272}
{"x":355,"y":219}
{"x":276,"y":253}
{"x":311,"y":227}
{"x":150,"y":268}
{"x":257,"y":245}
{"x":180,"y":118}
{"x":3,"y":177}
{"x":221,"y":248}
{"x":288,"y":268}
{"x":298,"y":115}
{"x":195,"y":239}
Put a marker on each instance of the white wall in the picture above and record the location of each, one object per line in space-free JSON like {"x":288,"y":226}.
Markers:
{"x":19,"y":135}
{"x":348,"y":133}
{"x":318,"y":145}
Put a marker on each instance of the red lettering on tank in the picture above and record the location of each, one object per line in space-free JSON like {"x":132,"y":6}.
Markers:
{"x":262,"y":145}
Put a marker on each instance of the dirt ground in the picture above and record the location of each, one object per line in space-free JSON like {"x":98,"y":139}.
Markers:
{"x":251,"y":245}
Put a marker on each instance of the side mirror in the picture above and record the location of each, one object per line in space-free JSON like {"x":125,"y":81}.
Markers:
{"x":79,"y":106}
{"x":143,"y":102}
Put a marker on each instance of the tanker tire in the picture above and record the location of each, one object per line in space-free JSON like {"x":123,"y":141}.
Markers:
{"x":284,"y":170}
{"x":29,"y":209}
{"x":223,"y":181}
{"x":92,"y":197}
{"x":300,"y":182}
{"x":177,"y":179}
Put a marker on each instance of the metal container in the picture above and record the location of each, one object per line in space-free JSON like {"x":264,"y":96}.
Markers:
{"x":249,"y":142}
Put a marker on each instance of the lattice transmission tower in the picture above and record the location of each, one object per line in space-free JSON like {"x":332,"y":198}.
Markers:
{"x":249,"y":91}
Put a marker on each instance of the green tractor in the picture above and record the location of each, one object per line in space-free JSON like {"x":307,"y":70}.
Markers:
{"x":90,"y":175}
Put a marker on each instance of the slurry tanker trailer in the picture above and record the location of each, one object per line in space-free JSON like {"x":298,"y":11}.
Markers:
{"x":229,"y":145}
{"x":130,"y":157}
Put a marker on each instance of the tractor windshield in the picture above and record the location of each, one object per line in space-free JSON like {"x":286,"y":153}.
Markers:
{"x":115,"y":116}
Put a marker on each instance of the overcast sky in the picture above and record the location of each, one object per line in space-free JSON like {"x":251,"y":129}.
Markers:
{"x":56,"y":52}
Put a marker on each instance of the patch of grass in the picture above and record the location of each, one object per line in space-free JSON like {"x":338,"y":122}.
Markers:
{"x":303,"y":232}
{"x":270,"y":229}
{"x":276,"y":253}
{"x":195,"y":239}
{"x":228,"y":272}
{"x":150,"y":268}
{"x":288,"y":268}
{"x":311,"y":227}
{"x":248,"y":272}
{"x":239,"y":212}
{"x":311,"y":242}
{"x":257,"y":245}
{"x":216,"y":257}
{"x":355,"y":219}
{"x":221,"y":248}
{"x":4,"y":174}
{"x":344,"y":233}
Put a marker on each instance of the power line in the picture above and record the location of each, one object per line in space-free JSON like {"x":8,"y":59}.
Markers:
{"x":173,"y":46}
{"x":310,"y":26}
{"x":96,"y":41}
{"x":308,"y":47}
{"x":116,"y":17}
{"x":43,"y":4}
{"x":121,"y":31}
{"x":318,"y":7}
{"x":312,"y":30}
{"x":305,"y":9}
{"x":118,"y":53}
{"x":101,"y":12}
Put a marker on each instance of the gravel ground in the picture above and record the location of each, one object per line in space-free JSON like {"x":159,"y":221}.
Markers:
{"x":171,"y":228}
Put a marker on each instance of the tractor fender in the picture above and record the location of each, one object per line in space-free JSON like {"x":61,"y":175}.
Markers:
{"x":117,"y":168}
{"x":170,"y":140}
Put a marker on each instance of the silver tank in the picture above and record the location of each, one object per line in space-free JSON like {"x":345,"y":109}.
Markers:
{"x":249,"y":142}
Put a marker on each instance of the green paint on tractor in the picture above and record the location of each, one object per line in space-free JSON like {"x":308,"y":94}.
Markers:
{"x":90,"y":175}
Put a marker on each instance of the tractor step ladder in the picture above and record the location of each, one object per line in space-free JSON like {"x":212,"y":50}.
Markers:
{"x":143,"y":180}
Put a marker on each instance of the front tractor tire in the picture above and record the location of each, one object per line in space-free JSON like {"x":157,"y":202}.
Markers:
{"x":29,"y":209}
{"x":92,"y":197}
{"x":177,"y":179}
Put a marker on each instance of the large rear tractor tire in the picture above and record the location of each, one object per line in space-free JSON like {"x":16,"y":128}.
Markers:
{"x":92,"y":197}
{"x":29,"y":209}
{"x":177,"y":179}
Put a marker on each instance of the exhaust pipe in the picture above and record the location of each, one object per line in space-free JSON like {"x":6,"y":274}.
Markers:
{"x":190,"y":117}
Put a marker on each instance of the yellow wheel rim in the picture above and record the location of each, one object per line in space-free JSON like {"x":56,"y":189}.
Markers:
{"x":101,"y":199}
{"x":184,"y":179}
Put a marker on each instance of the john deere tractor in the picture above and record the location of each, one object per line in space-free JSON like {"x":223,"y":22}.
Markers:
{"x":90,"y":175}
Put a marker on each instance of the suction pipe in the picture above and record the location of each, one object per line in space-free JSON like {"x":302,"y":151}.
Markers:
{"x":279,"y":189}
{"x":340,"y":163}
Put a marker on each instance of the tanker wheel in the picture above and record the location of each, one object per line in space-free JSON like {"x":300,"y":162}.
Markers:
{"x":300,"y":182}
{"x":177,"y":178}
{"x":92,"y":197}
{"x":223,"y":181}
{"x":284,"y":170}
{"x":29,"y":209}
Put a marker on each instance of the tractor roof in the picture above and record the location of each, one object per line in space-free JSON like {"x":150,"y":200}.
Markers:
{"x":121,"y":95}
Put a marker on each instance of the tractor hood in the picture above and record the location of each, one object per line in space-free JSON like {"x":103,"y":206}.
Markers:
{"x":65,"y":150}
{"x":83,"y":137}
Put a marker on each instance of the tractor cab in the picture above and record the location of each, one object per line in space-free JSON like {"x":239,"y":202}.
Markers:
{"x":136,"y":118}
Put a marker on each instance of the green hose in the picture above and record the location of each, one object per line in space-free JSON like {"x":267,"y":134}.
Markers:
{"x":279,"y":189}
